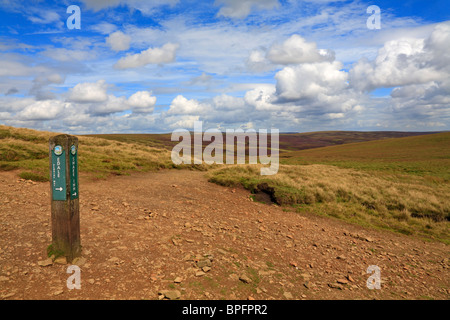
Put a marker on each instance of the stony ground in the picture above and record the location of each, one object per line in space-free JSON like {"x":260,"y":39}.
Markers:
{"x":173,"y":235}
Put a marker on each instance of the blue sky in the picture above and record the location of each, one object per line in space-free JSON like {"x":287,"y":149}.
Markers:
{"x":157,"y":66}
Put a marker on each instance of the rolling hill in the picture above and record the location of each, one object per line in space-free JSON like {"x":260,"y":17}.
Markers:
{"x":288,"y":141}
{"x":425,"y":155}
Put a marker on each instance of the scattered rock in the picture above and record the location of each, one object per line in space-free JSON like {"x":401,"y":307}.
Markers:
{"x":342,"y":281}
{"x":169,"y":294}
{"x":115,"y":260}
{"x":79,"y":261}
{"x":306,"y":276}
{"x":178,"y":280}
{"x":234,"y":276}
{"x":45,"y":263}
{"x":173,"y":294}
{"x":204,"y":263}
{"x":266,"y":273}
{"x":61,"y":260}
{"x":58,"y":292}
{"x":221,"y":251}
{"x":2,"y":278}
{"x":7,"y":295}
{"x":245,"y":279}
{"x":360,"y":237}
{"x":188,"y":257}
{"x":288,"y":295}
{"x":335,"y":286}
{"x":199,"y":273}
{"x":206,"y":269}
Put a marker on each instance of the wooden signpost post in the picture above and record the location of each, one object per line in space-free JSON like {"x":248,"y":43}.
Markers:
{"x":63,"y":153}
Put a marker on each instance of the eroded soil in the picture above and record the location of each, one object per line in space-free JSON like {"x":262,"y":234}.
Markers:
{"x":173,"y":230}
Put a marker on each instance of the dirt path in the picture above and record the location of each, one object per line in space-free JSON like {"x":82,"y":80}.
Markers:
{"x":140,"y":233}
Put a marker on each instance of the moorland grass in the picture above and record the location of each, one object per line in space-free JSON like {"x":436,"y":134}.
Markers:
{"x":27,"y":151}
{"x":407,"y":204}
{"x":399,"y":184}
{"x":426,"y":156}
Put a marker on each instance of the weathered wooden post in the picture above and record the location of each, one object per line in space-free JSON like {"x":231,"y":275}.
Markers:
{"x":63,"y":152}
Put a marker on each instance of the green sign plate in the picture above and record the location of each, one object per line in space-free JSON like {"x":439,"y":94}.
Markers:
{"x":58,"y":174}
{"x":73,"y":157}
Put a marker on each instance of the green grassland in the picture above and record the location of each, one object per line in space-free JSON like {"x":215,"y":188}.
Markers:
{"x":426,"y":155}
{"x":159,"y":141}
{"x":397,"y":184}
{"x":310,"y":140}
{"x":27,"y":151}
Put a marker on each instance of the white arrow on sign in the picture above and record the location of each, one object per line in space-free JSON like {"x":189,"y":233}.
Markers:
{"x":59,"y":189}
{"x":74,"y":194}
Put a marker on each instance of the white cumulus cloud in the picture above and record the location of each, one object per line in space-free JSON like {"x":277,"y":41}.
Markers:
{"x":113,"y":104}
{"x":242,"y":8}
{"x":181,"y":105}
{"x":89,"y":92}
{"x":118,"y":41}
{"x":296,"y":50}
{"x":406,"y":61}
{"x":142,"y":102}
{"x":42,"y":110}
{"x":311,"y":81}
{"x":165,"y":54}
